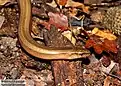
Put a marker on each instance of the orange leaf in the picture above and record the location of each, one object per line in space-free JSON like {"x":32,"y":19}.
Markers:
{"x":89,"y":43}
{"x":62,"y":2}
{"x":110,"y":46}
{"x":98,"y":48}
{"x":107,"y":81}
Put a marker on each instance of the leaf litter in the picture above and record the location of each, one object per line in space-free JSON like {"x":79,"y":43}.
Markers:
{"x":102,"y":44}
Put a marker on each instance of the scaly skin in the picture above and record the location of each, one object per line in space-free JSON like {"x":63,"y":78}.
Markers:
{"x":34,"y":48}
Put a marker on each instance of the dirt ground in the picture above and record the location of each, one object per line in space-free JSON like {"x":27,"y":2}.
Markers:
{"x":100,"y":68}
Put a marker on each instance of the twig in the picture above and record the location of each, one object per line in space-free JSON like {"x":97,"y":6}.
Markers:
{"x":112,"y":75}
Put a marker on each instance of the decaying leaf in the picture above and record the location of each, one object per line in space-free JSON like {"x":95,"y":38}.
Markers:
{"x":110,"y":45}
{"x":35,"y":29}
{"x":103,"y":34}
{"x":112,"y":81}
{"x":76,"y":31}
{"x":98,"y":48}
{"x":68,"y":34}
{"x":59,"y":20}
{"x":107,"y":81}
{"x":61,"y":2}
{"x":2,"y":19}
{"x":101,"y":45}
{"x":90,"y":43}
{"x":53,"y":4}
{"x":105,"y":60}
{"x":110,"y":69}
{"x":73,"y":11}
{"x":3,"y":2}
{"x":54,"y":38}
{"x":71,"y":3}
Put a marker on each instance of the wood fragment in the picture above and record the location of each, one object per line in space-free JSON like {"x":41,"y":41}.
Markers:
{"x":67,"y":73}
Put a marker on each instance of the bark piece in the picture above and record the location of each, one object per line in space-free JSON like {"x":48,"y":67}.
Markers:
{"x":67,"y":73}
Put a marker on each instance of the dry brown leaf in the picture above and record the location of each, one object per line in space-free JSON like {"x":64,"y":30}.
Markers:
{"x":101,"y":45}
{"x":107,"y":81}
{"x":68,"y":34}
{"x":72,"y":11}
{"x":57,"y":19}
{"x":110,"y":46}
{"x":35,"y":29}
{"x":111,"y":68}
{"x":53,"y":4}
{"x":61,"y":2}
{"x":104,"y":35}
{"x":3,"y":2}
{"x":2,"y":19}
{"x":71,"y":3}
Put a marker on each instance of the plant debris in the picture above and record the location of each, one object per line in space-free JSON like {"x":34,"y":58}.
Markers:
{"x":101,"y":45}
{"x":91,"y":25}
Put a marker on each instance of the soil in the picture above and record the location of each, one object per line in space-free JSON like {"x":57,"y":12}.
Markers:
{"x":16,"y":63}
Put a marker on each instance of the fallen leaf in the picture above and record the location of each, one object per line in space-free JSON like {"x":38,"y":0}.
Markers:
{"x":110,"y":69}
{"x":61,"y":2}
{"x":76,"y":31}
{"x":59,"y":20}
{"x":35,"y":30}
{"x":98,"y":48}
{"x":73,"y":12}
{"x":68,"y":34}
{"x":100,"y":45}
{"x":2,"y":19}
{"x":3,"y":2}
{"x":90,"y":43}
{"x":71,"y":3}
{"x":119,"y":72}
{"x":110,"y":46}
{"x":45,"y":24}
{"x":103,"y":34}
{"x":107,"y":81}
{"x":105,"y":60}
{"x":53,"y":4}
